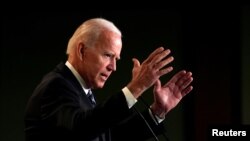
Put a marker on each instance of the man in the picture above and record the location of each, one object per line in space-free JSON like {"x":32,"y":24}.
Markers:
{"x":61,"y":107}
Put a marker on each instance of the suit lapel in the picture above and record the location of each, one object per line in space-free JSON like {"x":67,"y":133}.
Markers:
{"x":65,"y":71}
{"x":84,"y":102}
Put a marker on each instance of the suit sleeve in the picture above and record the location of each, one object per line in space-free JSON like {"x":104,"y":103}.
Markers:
{"x":63,"y":107}
{"x":135,"y":128}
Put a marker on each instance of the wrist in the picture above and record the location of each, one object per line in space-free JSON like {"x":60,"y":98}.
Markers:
{"x":159,"y":112}
{"x":136,"y":90}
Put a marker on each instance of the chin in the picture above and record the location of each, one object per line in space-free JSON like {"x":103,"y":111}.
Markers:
{"x":99,"y":85}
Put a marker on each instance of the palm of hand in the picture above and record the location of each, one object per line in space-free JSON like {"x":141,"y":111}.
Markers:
{"x":170,"y":94}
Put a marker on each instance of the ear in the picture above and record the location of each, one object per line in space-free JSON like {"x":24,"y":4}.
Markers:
{"x":80,"y":50}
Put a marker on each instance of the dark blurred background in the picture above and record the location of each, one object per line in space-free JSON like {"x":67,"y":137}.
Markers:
{"x":212,"y":42}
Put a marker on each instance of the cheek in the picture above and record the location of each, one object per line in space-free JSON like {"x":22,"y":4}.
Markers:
{"x":98,"y":68}
{"x":97,"y":65}
{"x":101,"y":69}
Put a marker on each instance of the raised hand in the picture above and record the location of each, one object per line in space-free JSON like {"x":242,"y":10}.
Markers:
{"x":145,"y":75}
{"x":166,"y":97}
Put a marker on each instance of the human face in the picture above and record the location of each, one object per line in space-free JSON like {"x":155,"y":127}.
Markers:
{"x":99,"y":61}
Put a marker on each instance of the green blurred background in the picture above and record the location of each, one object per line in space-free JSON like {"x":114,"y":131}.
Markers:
{"x":212,"y":42}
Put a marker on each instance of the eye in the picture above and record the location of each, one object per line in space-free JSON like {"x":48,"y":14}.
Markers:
{"x":107,"y":55}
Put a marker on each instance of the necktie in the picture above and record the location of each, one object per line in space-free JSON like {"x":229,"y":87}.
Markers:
{"x":91,"y":98}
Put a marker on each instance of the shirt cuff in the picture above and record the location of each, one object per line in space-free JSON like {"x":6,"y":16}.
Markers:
{"x":156,"y":119}
{"x":131,"y":100}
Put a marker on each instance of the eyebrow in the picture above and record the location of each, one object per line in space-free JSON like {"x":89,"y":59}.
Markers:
{"x":110,"y":52}
{"x":117,"y":58}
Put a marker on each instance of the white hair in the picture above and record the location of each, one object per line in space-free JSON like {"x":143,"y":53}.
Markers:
{"x":89,"y":31}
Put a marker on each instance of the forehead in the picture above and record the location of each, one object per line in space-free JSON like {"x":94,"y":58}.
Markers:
{"x":110,"y":41}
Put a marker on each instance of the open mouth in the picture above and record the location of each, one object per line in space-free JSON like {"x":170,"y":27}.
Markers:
{"x":104,"y":76}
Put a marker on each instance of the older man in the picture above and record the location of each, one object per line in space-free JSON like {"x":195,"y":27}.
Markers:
{"x":63,"y":108}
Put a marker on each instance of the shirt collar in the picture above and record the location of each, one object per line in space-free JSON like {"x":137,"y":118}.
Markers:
{"x":78,"y":77}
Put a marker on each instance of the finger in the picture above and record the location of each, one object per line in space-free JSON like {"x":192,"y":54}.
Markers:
{"x":164,"y":71}
{"x":136,"y":63}
{"x":158,"y":57}
{"x":164,"y":63}
{"x":186,"y":83}
{"x":155,"y":52}
{"x":176,"y":77}
{"x":183,"y":79}
{"x":187,"y":90}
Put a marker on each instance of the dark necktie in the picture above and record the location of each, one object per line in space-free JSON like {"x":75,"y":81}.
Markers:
{"x":91,"y":98}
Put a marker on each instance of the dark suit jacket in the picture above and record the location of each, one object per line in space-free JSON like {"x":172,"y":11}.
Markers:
{"x":60,"y":110}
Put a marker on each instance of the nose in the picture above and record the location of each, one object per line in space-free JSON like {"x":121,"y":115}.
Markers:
{"x":112,"y":65}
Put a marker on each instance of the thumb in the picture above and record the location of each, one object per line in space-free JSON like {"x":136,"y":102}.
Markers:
{"x":157,"y":85}
{"x":136,"y":63}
